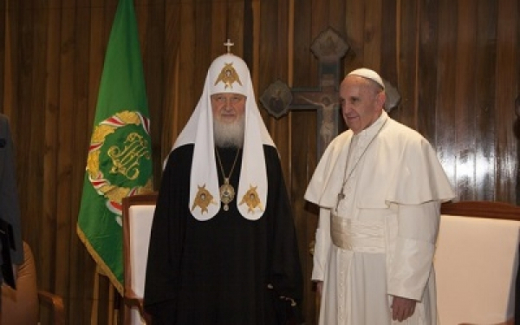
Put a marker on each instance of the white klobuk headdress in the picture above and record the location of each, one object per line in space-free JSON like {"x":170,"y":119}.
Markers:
{"x":227,"y":74}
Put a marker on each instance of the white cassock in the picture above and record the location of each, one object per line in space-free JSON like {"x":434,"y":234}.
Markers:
{"x":378,"y":240}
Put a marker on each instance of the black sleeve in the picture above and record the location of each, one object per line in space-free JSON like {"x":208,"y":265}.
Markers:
{"x":166,"y":241}
{"x":286,"y":272}
{"x":9,"y":204}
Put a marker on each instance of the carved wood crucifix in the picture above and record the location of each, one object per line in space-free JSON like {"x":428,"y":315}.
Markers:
{"x":278,"y":99}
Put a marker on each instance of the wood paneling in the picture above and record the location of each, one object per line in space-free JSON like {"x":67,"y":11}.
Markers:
{"x":484,"y":86}
{"x":407,"y":61}
{"x":507,"y":72}
{"x":446,"y":72}
{"x":303,"y":151}
{"x":464,"y":102}
{"x":426,"y":72}
{"x":454,"y":63}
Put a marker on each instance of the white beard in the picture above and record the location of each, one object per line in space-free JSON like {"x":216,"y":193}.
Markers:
{"x":229,"y":135}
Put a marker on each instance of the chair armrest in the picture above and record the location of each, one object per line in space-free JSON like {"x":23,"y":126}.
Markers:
{"x":138,"y":303}
{"x":57,"y":305}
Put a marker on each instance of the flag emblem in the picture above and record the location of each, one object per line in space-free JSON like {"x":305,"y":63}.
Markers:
{"x":119,"y":150}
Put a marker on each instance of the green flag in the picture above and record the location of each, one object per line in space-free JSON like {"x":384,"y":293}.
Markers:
{"x":119,"y":160}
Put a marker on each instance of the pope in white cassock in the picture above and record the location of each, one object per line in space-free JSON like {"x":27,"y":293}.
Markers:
{"x":379,"y":186}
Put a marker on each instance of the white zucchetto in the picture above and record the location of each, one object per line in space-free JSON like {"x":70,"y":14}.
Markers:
{"x":368,"y":74}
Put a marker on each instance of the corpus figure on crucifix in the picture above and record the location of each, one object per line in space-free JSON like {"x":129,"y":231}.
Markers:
{"x":327,"y":128}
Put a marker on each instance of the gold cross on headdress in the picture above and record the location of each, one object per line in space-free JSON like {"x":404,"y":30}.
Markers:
{"x":228,"y":44}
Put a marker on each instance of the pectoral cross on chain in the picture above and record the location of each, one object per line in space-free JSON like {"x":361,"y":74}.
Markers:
{"x":341,"y":196}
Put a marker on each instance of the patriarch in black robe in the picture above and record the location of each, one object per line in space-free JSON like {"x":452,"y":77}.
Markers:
{"x":223,"y":246}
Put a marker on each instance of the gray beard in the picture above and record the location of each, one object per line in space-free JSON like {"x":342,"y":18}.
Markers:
{"x":229,"y":135}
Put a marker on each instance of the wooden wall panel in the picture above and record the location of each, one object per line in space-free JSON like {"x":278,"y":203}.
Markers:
{"x":88,"y":51}
{"x":446,"y":71}
{"x":51,"y":143}
{"x":373,"y":34}
{"x":388,"y":66}
{"x":355,"y":34}
{"x":455,"y":65}
{"x":272,"y":66}
{"x":190,"y":84}
{"x":464,"y":119}
{"x":168,"y":114}
{"x":407,"y":62}
{"x":484,"y":100}
{"x":98,"y":24}
{"x":152,"y":30}
{"x":507,"y":71}
{"x":426,"y":73}
{"x":11,"y":60}
{"x":69,"y":78}
{"x":303,"y":153}
{"x":219,"y":26}
{"x":4,"y":40}
{"x":235,"y":30}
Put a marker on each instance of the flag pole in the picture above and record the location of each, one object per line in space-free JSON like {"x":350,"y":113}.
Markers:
{"x":95,"y":298}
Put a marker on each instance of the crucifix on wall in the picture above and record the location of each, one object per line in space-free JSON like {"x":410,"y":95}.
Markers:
{"x":278,"y":99}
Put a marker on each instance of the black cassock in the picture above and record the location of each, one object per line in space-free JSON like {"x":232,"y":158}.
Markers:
{"x":227,"y":270}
